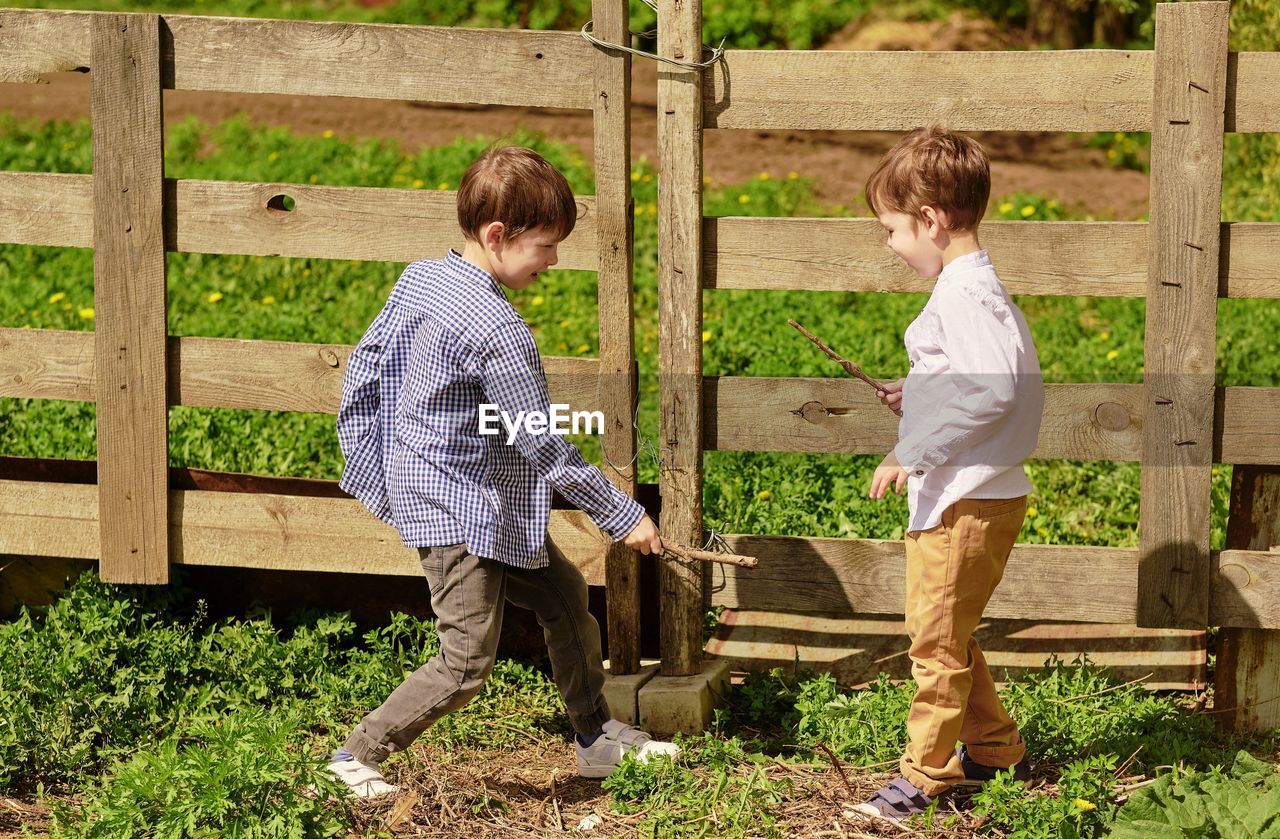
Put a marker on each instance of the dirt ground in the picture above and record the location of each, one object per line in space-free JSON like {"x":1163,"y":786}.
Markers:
{"x":1060,"y":165}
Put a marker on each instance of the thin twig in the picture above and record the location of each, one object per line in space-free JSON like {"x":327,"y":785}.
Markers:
{"x":835,"y":761}
{"x":1241,"y":707}
{"x":696,"y":554}
{"x":1070,"y":699}
{"x":849,"y":367}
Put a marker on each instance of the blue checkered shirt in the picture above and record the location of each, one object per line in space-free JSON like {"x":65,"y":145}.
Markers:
{"x":447,"y":341}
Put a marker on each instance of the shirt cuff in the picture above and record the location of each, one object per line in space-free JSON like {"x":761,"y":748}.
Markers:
{"x":914,"y":464}
{"x":624,"y":519}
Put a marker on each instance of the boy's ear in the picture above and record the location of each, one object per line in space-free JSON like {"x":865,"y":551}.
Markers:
{"x":493,"y":234}
{"x":935,"y":220}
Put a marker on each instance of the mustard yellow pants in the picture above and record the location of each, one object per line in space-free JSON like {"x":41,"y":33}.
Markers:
{"x":952,"y":570}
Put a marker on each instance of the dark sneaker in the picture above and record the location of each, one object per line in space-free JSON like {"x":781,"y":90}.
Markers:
{"x":897,"y":802}
{"x":977,"y":774}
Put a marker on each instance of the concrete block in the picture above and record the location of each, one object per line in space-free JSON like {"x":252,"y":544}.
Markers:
{"x":683,"y":703}
{"x":622,"y":693}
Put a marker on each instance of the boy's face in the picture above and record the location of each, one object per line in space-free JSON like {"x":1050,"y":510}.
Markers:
{"x":909,"y":238}
{"x":518,"y":261}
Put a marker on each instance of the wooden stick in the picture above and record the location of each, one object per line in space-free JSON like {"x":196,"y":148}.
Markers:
{"x":695,"y":554}
{"x":849,"y":367}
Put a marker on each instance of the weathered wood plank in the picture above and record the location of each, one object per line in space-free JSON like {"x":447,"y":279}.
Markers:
{"x":321,"y":58}
{"x":1081,"y":421}
{"x":1060,"y":90}
{"x":1252,"y":104}
{"x":615,"y":235}
{"x":129,"y":298}
{"x":251,"y":530}
{"x":680,"y":332}
{"x":1061,"y":258}
{"x":1181,"y":322}
{"x":230,"y":373}
{"x":1247,"y":676}
{"x":1248,"y":432}
{"x":327,"y":222}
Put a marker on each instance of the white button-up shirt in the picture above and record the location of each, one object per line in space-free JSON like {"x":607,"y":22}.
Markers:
{"x":973,"y":397}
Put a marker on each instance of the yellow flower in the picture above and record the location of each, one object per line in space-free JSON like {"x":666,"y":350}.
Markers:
{"x":652,"y":388}
{"x":268,"y":300}
{"x":706,"y":180}
{"x":538,"y":301}
{"x":1085,"y":806}
{"x":1214,"y":471}
{"x":564,"y":324}
{"x":1043,"y":531}
{"x":56,"y":296}
{"x":417,"y":183}
{"x":584,"y":347}
{"x":764,"y":495}
{"x":706,"y":336}
{"x":85,"y":314}
{"x":1031,"y":511}
{"x":1113,"y":355}
{"x":306,"y":272}
{"x":275,"y":155}
{"x":744,"y":199}
{"x":327,"y":134}
{"x":635,"y":177}
{"x":647,"y":177}
{"x":764,"y":176}
{"x":652,"y":208}
{"x":1028,"y":211}
{"x":1105,"y":336}
{"x":1111,"y":154}
{"x":66,"y":307}
{"x":213,"y":296}
{"x":791,"y":176}
{"x":442,"y":185}
{"x":396,"y":179}
{"x":315,"y":178}
{"x":1006,"y":207}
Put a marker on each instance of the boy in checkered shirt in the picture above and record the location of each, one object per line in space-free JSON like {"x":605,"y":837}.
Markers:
{"x":476,"y":504}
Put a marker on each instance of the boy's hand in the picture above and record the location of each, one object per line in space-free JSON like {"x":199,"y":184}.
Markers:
{"x":887,"y":473}
{"x":644,"y":537}
{"x":890,"y":393}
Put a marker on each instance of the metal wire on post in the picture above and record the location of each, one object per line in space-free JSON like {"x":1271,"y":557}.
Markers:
{"x":717,"y":53}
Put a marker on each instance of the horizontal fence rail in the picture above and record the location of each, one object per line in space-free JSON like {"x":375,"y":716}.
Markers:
{"x":232,"y":217}
{"x":1101,"y":421}
{"x":230,"y":372}
{"x":318,"y":58}
{"x":1047,"y":258}
{"x":251,"y":530}
{"x":1059,"y":90}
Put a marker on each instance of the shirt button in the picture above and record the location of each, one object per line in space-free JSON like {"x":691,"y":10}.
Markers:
{"x":919,"y":472}
{"x":911,"y":364}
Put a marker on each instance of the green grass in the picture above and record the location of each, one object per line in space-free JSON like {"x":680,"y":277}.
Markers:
{"x":310,"y":300}
{"x":131,"y":712}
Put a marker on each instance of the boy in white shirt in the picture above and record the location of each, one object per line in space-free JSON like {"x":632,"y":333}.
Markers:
{"x":970,"y":406}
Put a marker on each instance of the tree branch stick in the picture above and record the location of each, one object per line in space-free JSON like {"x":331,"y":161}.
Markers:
{"x":849,"y":367}
{"x":695,"y":554}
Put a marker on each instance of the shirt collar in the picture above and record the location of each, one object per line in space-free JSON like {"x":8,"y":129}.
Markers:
{"x":962,"y":264}
{"x":464,"y":270}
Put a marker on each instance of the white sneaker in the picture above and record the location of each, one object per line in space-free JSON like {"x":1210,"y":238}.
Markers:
{"x":363,"y":781}
{"x":603,"y":756}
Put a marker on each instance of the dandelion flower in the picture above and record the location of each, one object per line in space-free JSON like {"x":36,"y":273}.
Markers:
{"x":1006,"y":207}
{"x":56,"y":296}
{"x":328,"y":134}
{"x":1085,"y":806}
{"x":417,"y":183}
{"x":635,"y":177}
{"x":764,"y":176}
{"x":764,"y":495}
{"x":706,"y":180}
{"x":442,"y":185}
{"x":275,"y":155}
{"x":1113,"y":355}
{"x":584,"y":347}
{"x":564,"y":324}
{"x":706,"y":336}
{"x":306,"y":272}
{"x":538,"y":301}
{"x":791,"y":176}
{"x":647,"y":177}
{"x":1105,"y":336}
{"x":1031,"y":511}
{"x":268,"y":300}
{"x":85,"y":313}
{"x":744,"y":199}
{"x":213,"y":296}
{"x":1028,"y":211}
{"x":315,"y":178}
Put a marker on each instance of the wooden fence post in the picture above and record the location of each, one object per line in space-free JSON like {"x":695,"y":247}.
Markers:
{"x":614,"y":227}
{"x":680,"y":329}
{"x":1247,"y":677}
{"x":1181,"y":324}
{"x":129,"y":298}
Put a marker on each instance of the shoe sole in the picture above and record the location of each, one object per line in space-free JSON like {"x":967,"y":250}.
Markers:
{"x":870,"y":812}
{"x":595,"y":773}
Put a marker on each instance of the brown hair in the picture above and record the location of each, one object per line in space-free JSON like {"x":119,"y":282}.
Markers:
{"x":933,"y":167}
{"x":518,"y":187}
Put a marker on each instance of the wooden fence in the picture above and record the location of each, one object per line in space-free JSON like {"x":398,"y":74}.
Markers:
{"x":1187,"y":92}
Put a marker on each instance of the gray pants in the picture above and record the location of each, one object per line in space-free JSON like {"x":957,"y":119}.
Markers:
{"x":467,"y":594}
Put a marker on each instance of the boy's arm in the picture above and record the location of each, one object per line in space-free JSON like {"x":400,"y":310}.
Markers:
{"x":512,"y":378}
{"x":966,"y":404}
{"x":361,"y":399}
